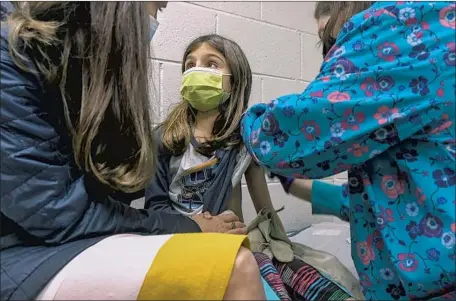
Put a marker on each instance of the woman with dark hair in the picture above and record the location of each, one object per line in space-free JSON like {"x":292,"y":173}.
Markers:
{"x":383,"y":108}
{"x":76,"y":145}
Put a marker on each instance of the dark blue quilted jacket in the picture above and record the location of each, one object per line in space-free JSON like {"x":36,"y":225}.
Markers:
{"x":50,"y":209}
{"x":6,"y":7}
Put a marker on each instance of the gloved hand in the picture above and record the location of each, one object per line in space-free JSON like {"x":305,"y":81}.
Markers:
{"x":285,"y":181}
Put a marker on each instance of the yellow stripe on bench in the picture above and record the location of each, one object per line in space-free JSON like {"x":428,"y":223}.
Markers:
{"x":192,"y":267}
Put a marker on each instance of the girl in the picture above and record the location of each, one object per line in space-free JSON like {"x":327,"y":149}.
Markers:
{"x":201,"y":158}
{"x":76,"y":143}
{"x":383,"y":108}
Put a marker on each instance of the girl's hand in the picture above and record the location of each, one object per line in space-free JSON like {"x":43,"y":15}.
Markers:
{"x":226,"y":222}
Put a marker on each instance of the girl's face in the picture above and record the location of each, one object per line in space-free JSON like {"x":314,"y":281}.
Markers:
{"x":208,"y":57}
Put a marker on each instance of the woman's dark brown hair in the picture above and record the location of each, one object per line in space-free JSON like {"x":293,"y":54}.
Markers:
{"x":338,"y":12}
{"x":226,"y":130}
{"x":97,"y":54}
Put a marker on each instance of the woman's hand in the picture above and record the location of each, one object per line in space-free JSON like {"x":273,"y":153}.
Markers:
{"x":300,"y":188}
{"x":226,"y":222}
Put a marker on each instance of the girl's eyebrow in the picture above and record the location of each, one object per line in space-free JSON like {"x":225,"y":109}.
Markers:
{"x":189,"y":57}
{"x":208,"y":55}
{"x":216,"y":56}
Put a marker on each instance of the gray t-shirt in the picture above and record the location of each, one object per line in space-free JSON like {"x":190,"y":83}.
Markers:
{"x":193,"y":173}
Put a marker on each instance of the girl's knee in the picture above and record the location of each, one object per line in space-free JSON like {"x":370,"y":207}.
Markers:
{"x":245,"y":282}
{"x":245,"y":264}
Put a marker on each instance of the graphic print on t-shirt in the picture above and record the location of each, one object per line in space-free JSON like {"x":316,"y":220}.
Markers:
{"x":194,"y":183}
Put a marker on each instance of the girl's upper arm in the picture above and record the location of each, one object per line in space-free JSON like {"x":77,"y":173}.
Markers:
{"x":157,"y":190}
{"x":384,"y":81}
{"x":258,"y":187}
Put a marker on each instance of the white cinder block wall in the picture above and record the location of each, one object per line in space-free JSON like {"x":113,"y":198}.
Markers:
{"x":280,"y":41}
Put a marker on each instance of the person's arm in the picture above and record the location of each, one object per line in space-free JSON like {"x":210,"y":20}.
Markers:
{"x":360,"y":104}
{"x":258,"y":188}
{"x":41,"y":190}
{"x":302,"y":189}
{"x":6,"y":7}
{"x":328,"y":199}
{"x":157,"y":190}
{"x":157,"y":197}
{"x":259,"y":191}
{"x":325,"y":198}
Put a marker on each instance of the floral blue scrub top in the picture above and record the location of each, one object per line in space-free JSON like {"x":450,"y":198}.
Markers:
{"x":383,"y":108}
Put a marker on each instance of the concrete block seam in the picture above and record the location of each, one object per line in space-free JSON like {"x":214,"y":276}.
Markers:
{"x":261,"y":10}
{"x":262,"y":89}
{"x":301,"y":58}
{"x":166,"y":61}
{"x":160,"y":83}
{"x":274,"y":76}
{"x":250,"y":19}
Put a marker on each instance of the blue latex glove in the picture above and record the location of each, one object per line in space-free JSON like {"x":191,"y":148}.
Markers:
{"x":285,"y":181}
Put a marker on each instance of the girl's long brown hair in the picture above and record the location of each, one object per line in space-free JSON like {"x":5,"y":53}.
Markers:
{"x":338,"y":12}
{"x":97,"y":54}
{"x":226,"y":130}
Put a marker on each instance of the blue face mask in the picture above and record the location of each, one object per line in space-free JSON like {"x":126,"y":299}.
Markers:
{"x":153,"y":27}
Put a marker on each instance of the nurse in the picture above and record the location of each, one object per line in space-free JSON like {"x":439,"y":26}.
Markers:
{"x":383,"y":109}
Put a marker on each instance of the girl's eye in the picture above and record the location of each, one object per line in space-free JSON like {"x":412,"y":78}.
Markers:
{"x":189,"y":66}
{"x":213,"y":65}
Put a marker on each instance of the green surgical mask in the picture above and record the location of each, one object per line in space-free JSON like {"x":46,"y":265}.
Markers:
{"x":202,"y":88}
